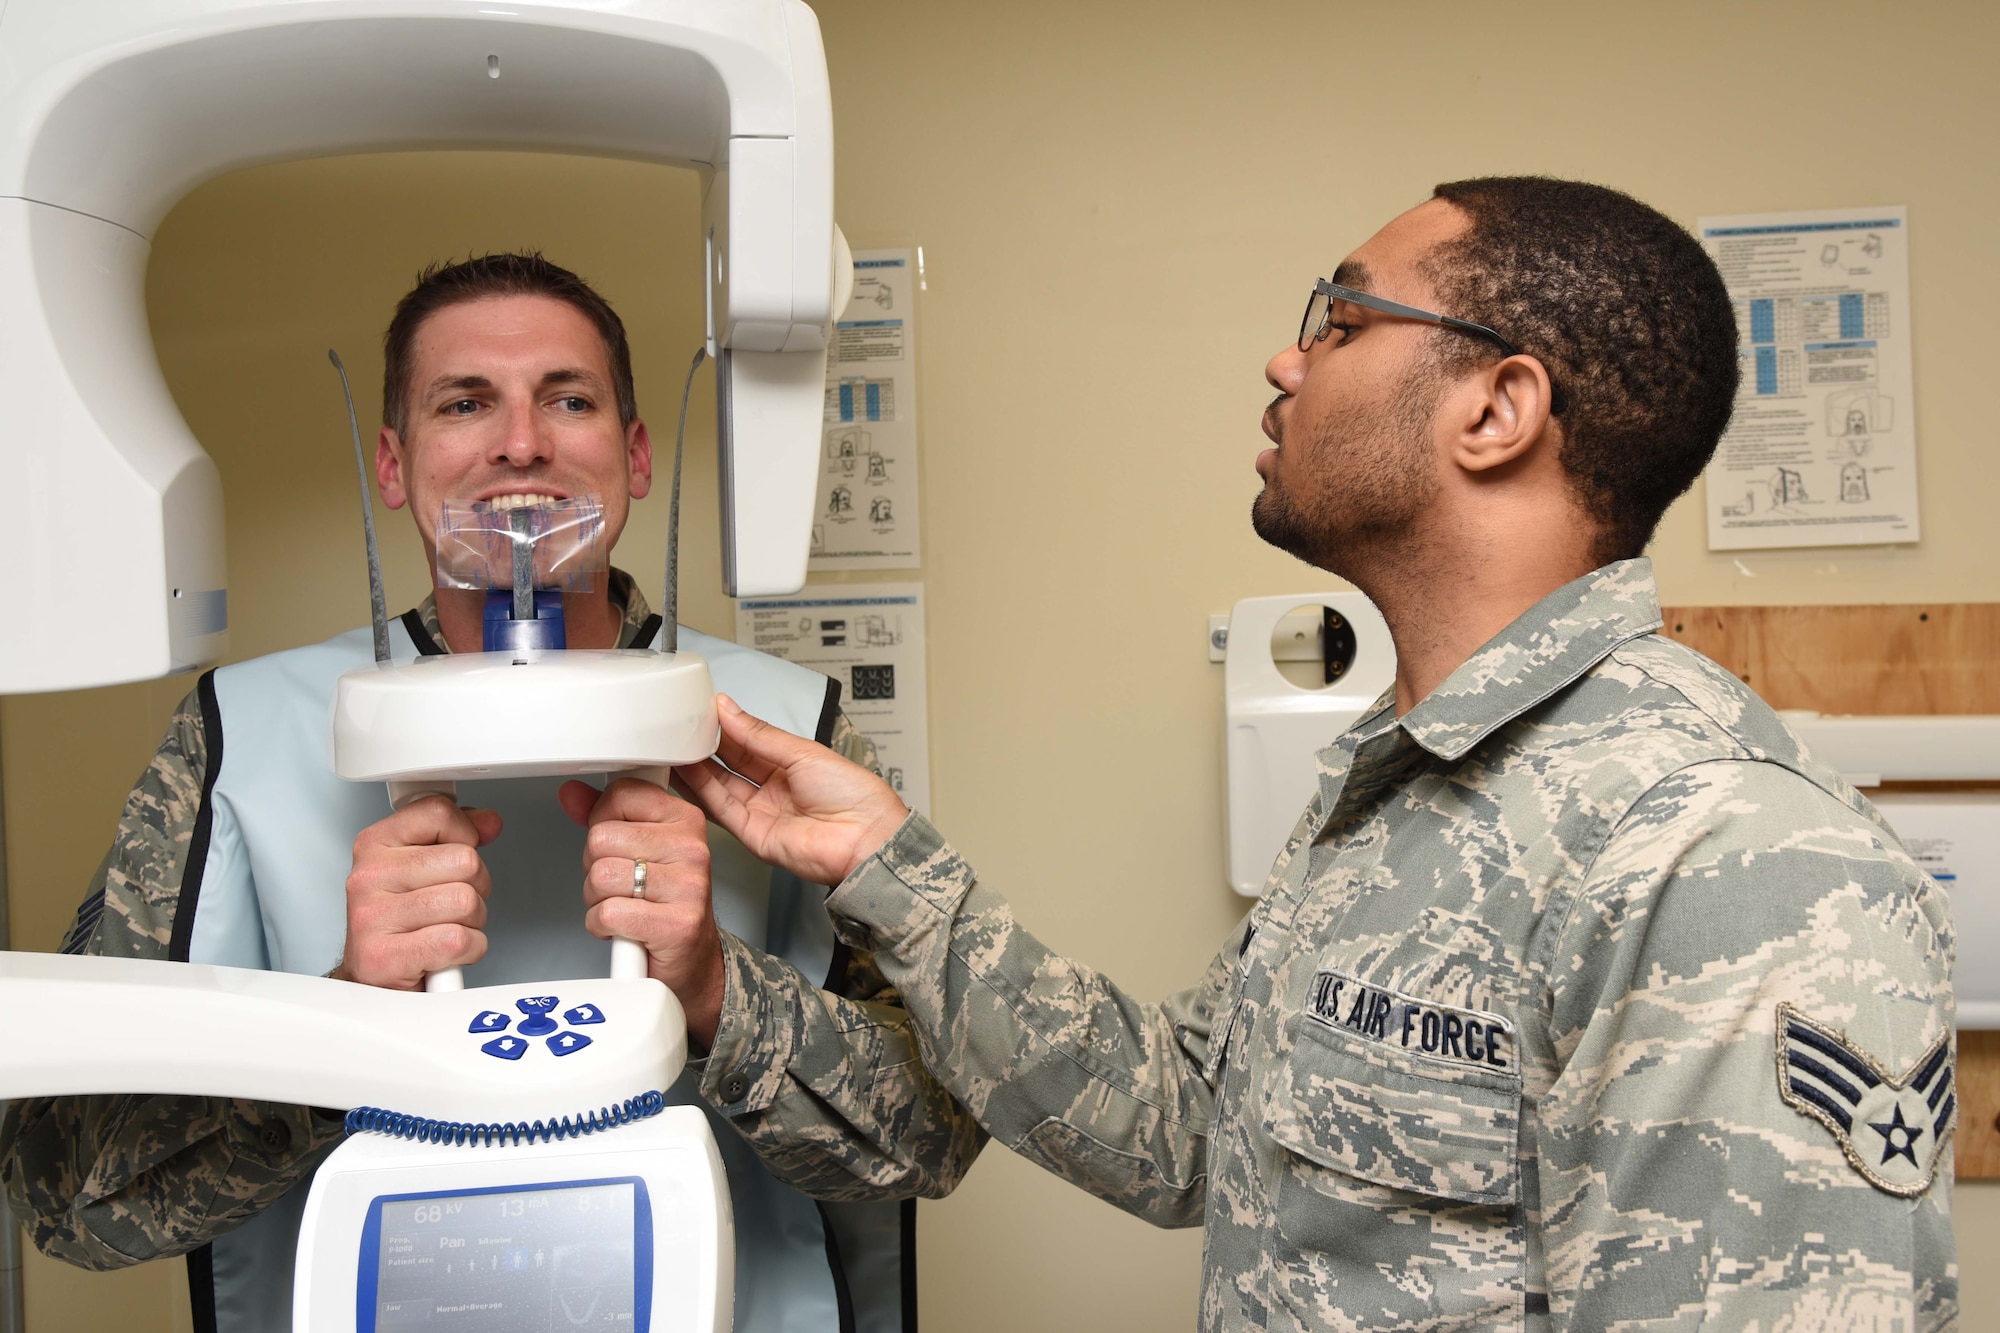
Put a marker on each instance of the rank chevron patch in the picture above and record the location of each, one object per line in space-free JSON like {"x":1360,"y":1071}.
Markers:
{"x":1893,"y":1130}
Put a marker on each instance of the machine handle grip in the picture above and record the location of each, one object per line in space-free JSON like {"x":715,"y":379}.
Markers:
{"x":401,"y":793}
{"x":628,"y":957}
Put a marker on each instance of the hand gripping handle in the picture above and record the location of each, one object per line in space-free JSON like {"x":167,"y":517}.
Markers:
{"x":628,"y":957}
{"x":400,"y":795}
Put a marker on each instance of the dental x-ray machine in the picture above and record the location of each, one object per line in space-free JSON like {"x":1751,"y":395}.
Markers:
{"x":506,"y":1110}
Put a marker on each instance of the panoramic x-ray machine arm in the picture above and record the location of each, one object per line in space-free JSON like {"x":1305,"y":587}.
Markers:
{"x":111,"y":110}
{"x":509,"y":1110}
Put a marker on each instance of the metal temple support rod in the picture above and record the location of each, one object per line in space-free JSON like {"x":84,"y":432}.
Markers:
{"x":378,"y":608}
{"x":670,"y":607}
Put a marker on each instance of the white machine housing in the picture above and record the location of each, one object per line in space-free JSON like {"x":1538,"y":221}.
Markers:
{"x":682,"y":1230}
{"x":275,"y":1036}
{"x":538,"y":713}
{"x":114,"y":109}
{"x":499,"y":1055}
{"x":1274,"y":728}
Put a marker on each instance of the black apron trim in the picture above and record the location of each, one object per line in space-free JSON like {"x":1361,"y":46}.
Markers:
{"x":836,"y":968}
{"x":909,"y":1266}
{"x":201,"y":1262}
{"x":647,"y":629}
{"x":843,"y":1297}
{"x":828,"y":711}
{"x":426,"y":645}
{"x":204,"y":824}
{"x":201,"y":1288}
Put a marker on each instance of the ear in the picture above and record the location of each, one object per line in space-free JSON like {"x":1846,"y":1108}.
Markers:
{"x":389,"y":469}
{"x":639,"y":458}
{"x":1499,"y":414}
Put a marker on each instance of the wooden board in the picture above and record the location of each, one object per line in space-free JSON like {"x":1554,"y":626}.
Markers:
{"x":1876,"y":659}
{"x":1977,"y":1142}
{"x":1854,"y":659}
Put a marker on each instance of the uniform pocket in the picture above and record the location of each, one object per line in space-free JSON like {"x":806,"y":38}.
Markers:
{"x":1398,"y":1119}
{"x":1396,"y":1188}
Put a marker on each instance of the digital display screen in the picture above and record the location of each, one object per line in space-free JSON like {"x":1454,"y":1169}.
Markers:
{"x":545,"y":1259}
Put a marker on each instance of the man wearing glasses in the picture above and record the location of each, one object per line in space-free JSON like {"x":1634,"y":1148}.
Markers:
{"x":1581,"y":995}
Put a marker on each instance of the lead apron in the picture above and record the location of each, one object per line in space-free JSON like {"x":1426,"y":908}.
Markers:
{"x":269,"y":893}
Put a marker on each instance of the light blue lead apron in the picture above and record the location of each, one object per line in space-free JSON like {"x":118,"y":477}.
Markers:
{"x":268,"y":891}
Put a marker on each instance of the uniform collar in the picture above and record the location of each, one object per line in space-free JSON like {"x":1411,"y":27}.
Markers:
{"x":1547,"y":648}
{"x":640,"y":624}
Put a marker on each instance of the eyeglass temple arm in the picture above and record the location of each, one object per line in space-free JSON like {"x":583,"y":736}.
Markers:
{"x":1388,"y":307}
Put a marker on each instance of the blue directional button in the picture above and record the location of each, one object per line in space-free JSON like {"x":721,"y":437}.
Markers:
{"x":506,"y":1048}
{"x":583,"y":1014}
{"x":537,"y":1023}
{"x":488,"y":1021}
{"x":569,"y":1043}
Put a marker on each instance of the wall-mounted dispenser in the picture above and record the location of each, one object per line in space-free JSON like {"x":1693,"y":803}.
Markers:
{"x":1275,"y":726}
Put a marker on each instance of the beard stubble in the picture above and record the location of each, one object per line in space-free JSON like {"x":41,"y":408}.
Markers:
{"x":1366,"y":493}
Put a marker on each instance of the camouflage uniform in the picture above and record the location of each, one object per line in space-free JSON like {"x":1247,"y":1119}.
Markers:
{"x":104,"y":1182}
{"x":1580,"y":996}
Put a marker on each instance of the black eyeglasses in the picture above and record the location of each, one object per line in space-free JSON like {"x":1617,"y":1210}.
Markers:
{"x":1318,"y":322}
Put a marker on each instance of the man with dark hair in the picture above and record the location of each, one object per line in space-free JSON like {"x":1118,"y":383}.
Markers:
{"x":491,"y":277}
{"x":1581,"y":996}
{"x":507,"y":380}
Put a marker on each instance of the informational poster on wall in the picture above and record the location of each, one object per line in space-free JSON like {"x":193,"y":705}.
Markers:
{"x":867,"y":514}
{"x":869,"y":637}
{"x":1822,"y":450}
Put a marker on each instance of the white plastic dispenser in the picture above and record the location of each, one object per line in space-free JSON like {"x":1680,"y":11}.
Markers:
{"x":1274,"y":727}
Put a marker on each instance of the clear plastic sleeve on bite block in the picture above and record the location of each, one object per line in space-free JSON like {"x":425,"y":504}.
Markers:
{"x":477,"y":541}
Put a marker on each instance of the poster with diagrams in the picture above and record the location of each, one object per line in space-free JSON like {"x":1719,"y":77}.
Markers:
{"x":870,"y":638}
{"x":867,"y":512}
{"x":1822,"y":450}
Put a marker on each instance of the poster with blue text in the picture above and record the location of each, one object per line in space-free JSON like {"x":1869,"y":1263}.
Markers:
{"x":1822,"y":450}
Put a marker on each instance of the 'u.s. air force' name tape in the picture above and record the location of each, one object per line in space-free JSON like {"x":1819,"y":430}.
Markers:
{"x":1466,"y":1036}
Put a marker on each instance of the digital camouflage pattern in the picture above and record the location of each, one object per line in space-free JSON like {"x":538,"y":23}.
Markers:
{"x":1499,"y":1046}
{"x":104,"y":1182}
{"x":832,"y":1092}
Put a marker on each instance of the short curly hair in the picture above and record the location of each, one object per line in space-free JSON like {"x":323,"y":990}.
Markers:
{"x":526,"y":273}
{"x":1628,"y":314}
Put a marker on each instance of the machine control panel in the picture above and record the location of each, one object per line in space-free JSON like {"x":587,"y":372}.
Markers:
{"x":554,"y":1254}
{"x":626,"y":1229}
{"x":536,"y":1023}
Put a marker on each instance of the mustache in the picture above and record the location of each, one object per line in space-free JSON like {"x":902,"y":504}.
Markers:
{"x":1274,"y":425}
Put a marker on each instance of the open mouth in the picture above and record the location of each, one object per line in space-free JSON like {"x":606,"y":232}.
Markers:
{"x":522,"y":500}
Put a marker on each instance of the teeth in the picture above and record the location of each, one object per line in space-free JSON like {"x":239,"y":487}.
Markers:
{"x":521,"y":501}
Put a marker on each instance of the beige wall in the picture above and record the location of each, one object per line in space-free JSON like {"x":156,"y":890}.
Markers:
{"x":1121,"y":208}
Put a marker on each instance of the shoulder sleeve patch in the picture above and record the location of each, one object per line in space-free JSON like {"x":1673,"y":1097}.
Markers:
{"x":1892,"y":1129}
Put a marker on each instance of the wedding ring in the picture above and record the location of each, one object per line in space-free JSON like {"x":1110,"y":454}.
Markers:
{"x":638,"y":879}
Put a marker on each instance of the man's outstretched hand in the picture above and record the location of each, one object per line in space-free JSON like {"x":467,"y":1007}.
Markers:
{"x":792,"y":803}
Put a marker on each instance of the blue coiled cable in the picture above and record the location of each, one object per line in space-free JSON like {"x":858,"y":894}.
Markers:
{"x":462,"y":1134}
